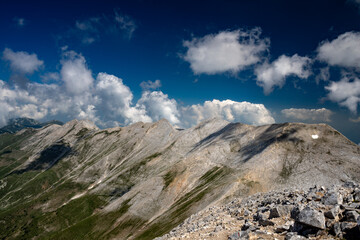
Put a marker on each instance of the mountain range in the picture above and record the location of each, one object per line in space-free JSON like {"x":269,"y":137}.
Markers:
{"x":16,"y":124}
{"x":76,"y":181}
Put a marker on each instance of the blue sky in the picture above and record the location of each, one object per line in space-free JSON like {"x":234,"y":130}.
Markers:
{"x":118,"y":62}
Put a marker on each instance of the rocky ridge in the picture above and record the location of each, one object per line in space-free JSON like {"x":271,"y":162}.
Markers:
{"x":77,"y":181}
{"x":315,"y":213}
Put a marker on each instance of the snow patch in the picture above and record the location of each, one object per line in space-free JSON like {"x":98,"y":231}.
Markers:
{"x":315,"y":136}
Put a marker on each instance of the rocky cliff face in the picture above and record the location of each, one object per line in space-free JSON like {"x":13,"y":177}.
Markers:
{"x":140,"y":181}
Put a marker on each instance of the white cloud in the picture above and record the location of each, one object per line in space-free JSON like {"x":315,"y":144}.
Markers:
{"x":22,"y":62}
{"x":75,"y":74}
{"x":158,"y":106}
{"x":275,"y":73}
{"x":50,"y":76}
{"x":17,"y":102}
{"x":344,"y":51}
{"x":226,"y":51}
{"x":115,"y":100}
{"x":109,"y":102}
{"x":150,"y":85}
{"x":243,"y":112}
{"x":303,"y":114}
{"x":346,"y":92}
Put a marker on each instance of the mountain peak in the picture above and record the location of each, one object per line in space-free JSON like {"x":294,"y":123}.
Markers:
{"x":82,"y":123}
{"x":23,"y":121}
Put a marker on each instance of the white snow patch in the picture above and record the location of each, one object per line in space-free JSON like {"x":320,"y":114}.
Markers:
{"x":315,"y":136}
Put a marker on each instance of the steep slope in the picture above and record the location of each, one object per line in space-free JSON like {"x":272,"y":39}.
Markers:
{"x":140,"y":181}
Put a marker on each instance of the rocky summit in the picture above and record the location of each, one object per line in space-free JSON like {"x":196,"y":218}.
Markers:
{"x":315,"y":213}
{"x":77,"y":181}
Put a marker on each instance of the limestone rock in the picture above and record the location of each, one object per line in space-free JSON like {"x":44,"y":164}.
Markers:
{"x":311,"y":217}
{"x":332,"y":198}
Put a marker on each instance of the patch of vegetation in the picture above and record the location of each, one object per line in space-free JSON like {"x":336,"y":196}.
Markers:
{"x":169,"y":177}
{"x":153,"y":156}
{"x":78,"y":209}
{"x":107,"y":133}
{"x":9,"y":141}
{"x":181,"y":210}
{"x":82,"y":132}
{"x":289,"y":167}
{"x":27,"y":221}
{"x":286,"y":171}
{"x":96,"y":225}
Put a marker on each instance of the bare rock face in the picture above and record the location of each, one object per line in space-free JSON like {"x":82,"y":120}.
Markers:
{"x":142,"y":180}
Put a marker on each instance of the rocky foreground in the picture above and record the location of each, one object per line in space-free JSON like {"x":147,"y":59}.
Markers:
{"x":317,"y":213}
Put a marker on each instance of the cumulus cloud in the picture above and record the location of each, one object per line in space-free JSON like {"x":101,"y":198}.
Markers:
{"x":344,"y":51}
{"x":269,"y":75}
{"x":17,"y":102}
{"x":75,"y":74}
{"x":108,"y":102}
{"x":226,"y":51}
{"x":346,"y":92}
{"x":150,"y":85}
{"x":22,"y":62}
{"x":115,"y":100}
{"x":158,"y":106}
{"x":303,"y":114}
{"x":244,"y":112}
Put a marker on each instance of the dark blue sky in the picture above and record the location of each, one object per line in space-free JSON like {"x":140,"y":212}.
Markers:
{"x":53,"y":51}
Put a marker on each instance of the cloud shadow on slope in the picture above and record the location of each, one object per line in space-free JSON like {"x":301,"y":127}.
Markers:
{"x":274,"y":133}
{"x":47,"y":159}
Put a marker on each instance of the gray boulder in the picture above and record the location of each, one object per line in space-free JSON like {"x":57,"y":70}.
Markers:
{"x":239,"y":235}
{"x":351,"y":216}
{"x":312,"y":218}
{"x":293,"y":236}
{"x":357,"y":196}
{"x":280,"y":211}
{"x":337,"y":230}
{"x":332,"y":213}
{"x":332,"y":198}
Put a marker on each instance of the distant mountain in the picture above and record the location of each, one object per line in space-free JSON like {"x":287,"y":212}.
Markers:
{"x":18,"y":124}
{"x":140,"y":181}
